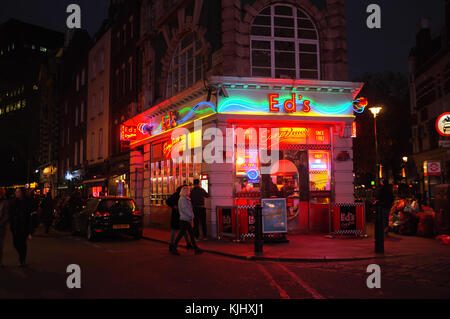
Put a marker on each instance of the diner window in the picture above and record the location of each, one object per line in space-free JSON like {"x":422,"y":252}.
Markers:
{"x":186,"y":67}
{"x":284,"y":44}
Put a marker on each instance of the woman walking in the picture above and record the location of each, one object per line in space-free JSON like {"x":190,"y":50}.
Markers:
{"x":20,"y":223}
{"x":172,"y":202}
{"x":186,"y":218}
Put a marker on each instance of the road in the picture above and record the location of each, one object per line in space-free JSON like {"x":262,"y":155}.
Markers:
{"x":124,"y":268}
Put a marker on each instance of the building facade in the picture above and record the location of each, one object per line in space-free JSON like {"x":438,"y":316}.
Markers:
{"x":244,"y":65}
{"x":429,"y":81}
{"x":124,"y":84}
{"x":23,"y":49}
{"x":98,"y":113}
{"x":73,"y":95}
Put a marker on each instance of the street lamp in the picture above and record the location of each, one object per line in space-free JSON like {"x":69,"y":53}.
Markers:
{"x":405,"y":159}
{"x":375,"y":111}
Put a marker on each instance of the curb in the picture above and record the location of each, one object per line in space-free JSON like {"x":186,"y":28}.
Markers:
{"x":284,"y":259}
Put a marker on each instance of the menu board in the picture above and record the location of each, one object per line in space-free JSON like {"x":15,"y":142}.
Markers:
{"x":227,"y":225}
{"x":274,"y":215}
{"x":348,"y":217}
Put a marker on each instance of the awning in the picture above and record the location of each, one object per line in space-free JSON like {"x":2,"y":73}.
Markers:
{"x":92,"y":181}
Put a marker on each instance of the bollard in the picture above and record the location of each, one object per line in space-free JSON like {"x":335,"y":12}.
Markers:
{"x":379,"y":231}
{"x":258,"y":230}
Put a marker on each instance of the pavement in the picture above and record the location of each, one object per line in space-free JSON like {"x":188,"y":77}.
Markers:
{"x":316,"y":247}
{"x":121,"y":267}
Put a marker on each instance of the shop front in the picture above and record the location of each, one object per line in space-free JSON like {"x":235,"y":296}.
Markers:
{"x":250,"y":141}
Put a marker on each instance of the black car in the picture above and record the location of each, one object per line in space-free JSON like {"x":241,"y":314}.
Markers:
{"x":108,"y":215}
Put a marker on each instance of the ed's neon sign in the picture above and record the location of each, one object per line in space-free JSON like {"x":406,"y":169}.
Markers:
{"x":290,"y":105}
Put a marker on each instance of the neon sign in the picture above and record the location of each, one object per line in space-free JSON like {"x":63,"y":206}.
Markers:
{"x":290,"y":105}
{"x":168,"y":121}
{"x":360,"y":104}
{"x":127,"y":133}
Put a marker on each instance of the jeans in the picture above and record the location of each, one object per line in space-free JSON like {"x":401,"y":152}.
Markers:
{"x":185,"y":227}
{"x":20,"y":243}
{"x":172,"y":237}
{"x":200,"y":220}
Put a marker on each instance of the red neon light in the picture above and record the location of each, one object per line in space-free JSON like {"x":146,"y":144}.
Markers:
{"x":293,"y":107}
{"x":289,"y":105}
{"x":306,"y":106}
{"x":127,"y":132}
{"x":273,"y":102}
{"x":354,"y":129}
{"x":204,"y":176}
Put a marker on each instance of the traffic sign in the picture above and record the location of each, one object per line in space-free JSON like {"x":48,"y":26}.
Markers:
{"x":443,"y":124}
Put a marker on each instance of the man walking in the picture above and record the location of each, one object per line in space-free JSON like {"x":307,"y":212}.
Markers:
{"x":198,"y":195}
{"x":47,"y":207}
{"x":20,"y":223}
{"x":3,"y":221}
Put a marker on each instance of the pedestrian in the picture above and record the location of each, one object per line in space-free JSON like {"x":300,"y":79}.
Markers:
{"x":47,"y":209}
{"x":172,"y":202}
{"x":20,"y":223}
{"x":384,"y":200}
{"x":4,"y":217}
{"x":186,"y":218}
{"x":198,"y":195}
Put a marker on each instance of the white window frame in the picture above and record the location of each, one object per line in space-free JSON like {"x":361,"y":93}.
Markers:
{"x":92,"y":146}
{"x":82,"y":112}
{"x":81,"y":151}
{"x":170,"y":90}
{"x":295,"y":39}
{"x":100,"y":143}
{"x":130,"y":62}
{"x":102,"y":98}
{"x":75,"y":155}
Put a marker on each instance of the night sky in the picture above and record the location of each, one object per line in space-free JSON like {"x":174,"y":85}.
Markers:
{"x":368,"y":50}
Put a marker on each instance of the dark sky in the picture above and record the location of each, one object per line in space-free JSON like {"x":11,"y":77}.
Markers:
{"x":368,"y":50}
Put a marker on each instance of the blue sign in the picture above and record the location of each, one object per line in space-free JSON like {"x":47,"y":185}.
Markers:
{"x":274,"y":219}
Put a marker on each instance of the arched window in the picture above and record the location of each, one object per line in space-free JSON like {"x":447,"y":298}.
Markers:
{"x":186,"y":67}
{"x":284,"y":44}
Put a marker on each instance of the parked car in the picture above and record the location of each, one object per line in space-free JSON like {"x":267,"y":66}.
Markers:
{"x":108,"y":215}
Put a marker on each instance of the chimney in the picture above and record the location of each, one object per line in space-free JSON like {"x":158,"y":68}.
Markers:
{"x":423,"y":39}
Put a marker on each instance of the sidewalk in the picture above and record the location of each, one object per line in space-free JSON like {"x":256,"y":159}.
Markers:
{"x":314,"y":248}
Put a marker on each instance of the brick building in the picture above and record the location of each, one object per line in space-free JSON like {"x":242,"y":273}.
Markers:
{"x":228,"y":63}
{"x":429,"y":81}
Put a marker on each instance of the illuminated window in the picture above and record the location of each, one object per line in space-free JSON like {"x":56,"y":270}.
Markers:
{"x":42,"y":49}
{"x":284,"y":44}
{"x":186,"y":67}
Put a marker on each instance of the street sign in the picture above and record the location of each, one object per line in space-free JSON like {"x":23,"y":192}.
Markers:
{"x":434,"y":168}
{"x":443,"y":124}
{"x":444,"y":143}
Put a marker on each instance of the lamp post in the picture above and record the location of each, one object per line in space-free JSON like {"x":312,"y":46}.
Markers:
{"x":375,"y":111}
{"x":405,"y":161}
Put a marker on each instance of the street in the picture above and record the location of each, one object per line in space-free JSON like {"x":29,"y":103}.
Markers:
{"x":124,"y":268}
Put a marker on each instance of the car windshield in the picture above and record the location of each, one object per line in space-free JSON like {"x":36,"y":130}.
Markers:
{"x":114,"y":205}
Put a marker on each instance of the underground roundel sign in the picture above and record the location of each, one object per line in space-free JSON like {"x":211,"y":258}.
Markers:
{"x":443,"y":124}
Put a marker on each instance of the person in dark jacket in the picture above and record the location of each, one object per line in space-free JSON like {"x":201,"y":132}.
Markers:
{"x":20,"y":222}
{"x":47,"y":207}
{"x":4,"y":217}
{"x":384,"y":200}
{"x":198,"y":195}
{"x":172,"y":202}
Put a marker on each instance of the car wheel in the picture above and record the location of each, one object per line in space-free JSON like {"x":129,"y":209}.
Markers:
{"x":90,"y":233}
